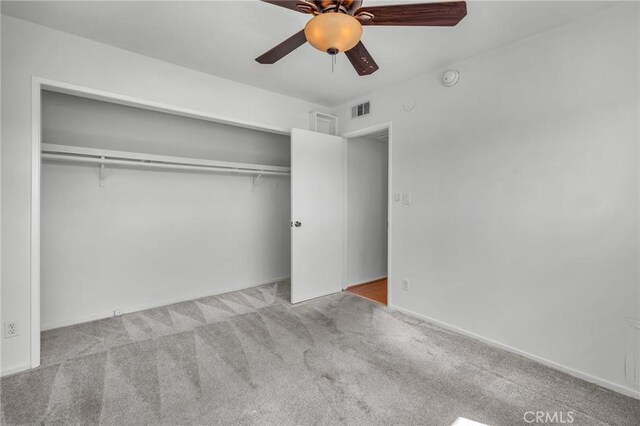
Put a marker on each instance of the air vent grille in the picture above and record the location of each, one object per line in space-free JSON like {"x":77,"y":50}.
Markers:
{"x":361,"y":109}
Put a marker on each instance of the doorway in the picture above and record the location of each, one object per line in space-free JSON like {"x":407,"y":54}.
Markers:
{"x":367,"y":215}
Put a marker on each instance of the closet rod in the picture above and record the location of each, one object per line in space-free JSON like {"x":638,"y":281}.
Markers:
{"x":155,"y":158}
{"x":155,"y":165}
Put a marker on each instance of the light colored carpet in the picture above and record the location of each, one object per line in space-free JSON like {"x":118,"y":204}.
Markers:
{"x":249,"y":357}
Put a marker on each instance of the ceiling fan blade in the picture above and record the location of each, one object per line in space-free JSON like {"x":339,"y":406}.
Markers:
{"x":445,"y":14}
{"x":361,"y":60}
{"x":283,"y":49}
{"x":288,"y":4}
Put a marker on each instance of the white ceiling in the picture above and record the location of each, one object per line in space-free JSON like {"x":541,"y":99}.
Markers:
{"x":223,"y":38}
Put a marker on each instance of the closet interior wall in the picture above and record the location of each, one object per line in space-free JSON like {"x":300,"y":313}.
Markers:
{"x":152,"y":237}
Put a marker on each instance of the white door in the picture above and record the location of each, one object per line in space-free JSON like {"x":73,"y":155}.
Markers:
{"x":316,"y":215}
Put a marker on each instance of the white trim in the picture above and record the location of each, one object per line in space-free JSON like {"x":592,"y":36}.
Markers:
{"x":13,"y":370}
{"x":354,"y":134}
{"x":37,"y":85}
{"x":368,"y":280}
{"x":101,"y":95}
{"x":633,"y":393}
{"x":389,"y":211}
{"x":108,"y":314}
{"x":36,"y":135}
{"x":367,"y":130}
{"x":345,"y":211}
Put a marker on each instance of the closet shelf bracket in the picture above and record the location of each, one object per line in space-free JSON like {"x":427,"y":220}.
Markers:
{"x":255,"y":179}
{"x":102,"y":167}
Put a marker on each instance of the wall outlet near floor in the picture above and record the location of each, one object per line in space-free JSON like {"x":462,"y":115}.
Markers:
{"x":117,"y":312}
{"x":405,"y":284}
{"x":11,"y":329}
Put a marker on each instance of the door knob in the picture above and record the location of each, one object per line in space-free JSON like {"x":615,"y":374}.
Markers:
{"x":297,"y":224}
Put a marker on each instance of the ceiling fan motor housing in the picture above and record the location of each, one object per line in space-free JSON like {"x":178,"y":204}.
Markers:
{"x":348,"y":6}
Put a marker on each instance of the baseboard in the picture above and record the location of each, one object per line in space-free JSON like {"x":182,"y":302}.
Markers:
{"x":14,"y":370}
{"x":367,"y":281}
{"x":108,"y":314}
{"x":628,"y":391}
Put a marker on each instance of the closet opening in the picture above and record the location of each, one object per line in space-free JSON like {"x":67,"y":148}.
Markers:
{"x":367,"y":215}
{"x":141,"y":209}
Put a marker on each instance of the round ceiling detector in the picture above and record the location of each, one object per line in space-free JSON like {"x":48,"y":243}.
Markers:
{"x":450,"y":77}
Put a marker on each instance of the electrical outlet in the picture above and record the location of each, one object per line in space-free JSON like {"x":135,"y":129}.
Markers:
{"x":10,"y":329}
{"x":405,"y":284}
{"x":117,"y":312}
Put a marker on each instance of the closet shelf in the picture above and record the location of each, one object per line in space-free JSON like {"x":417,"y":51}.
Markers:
{"x":102,"y":157}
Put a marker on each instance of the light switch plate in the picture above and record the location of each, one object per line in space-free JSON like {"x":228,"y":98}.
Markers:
{"x":406,"y":198}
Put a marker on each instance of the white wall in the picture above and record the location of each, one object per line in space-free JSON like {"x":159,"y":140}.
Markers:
{"x":149,"y":238}
{"x":31,"y":50}
{"x":366,"y":209}
{"x":523,"y":227}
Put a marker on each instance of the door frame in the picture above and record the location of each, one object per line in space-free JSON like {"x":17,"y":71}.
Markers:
{"x":38,"y":84}
{"x":354,"y":134}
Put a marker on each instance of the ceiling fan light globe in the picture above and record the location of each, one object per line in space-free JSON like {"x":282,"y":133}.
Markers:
{"x":329,"y":32}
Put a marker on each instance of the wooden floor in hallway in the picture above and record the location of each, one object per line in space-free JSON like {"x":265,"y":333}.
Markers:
{"x":375,"y":291}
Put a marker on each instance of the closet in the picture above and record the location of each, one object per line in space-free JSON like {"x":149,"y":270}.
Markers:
{"x":142,"y":208}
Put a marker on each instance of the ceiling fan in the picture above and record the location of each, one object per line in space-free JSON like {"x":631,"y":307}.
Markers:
{"x":336,"y":26}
